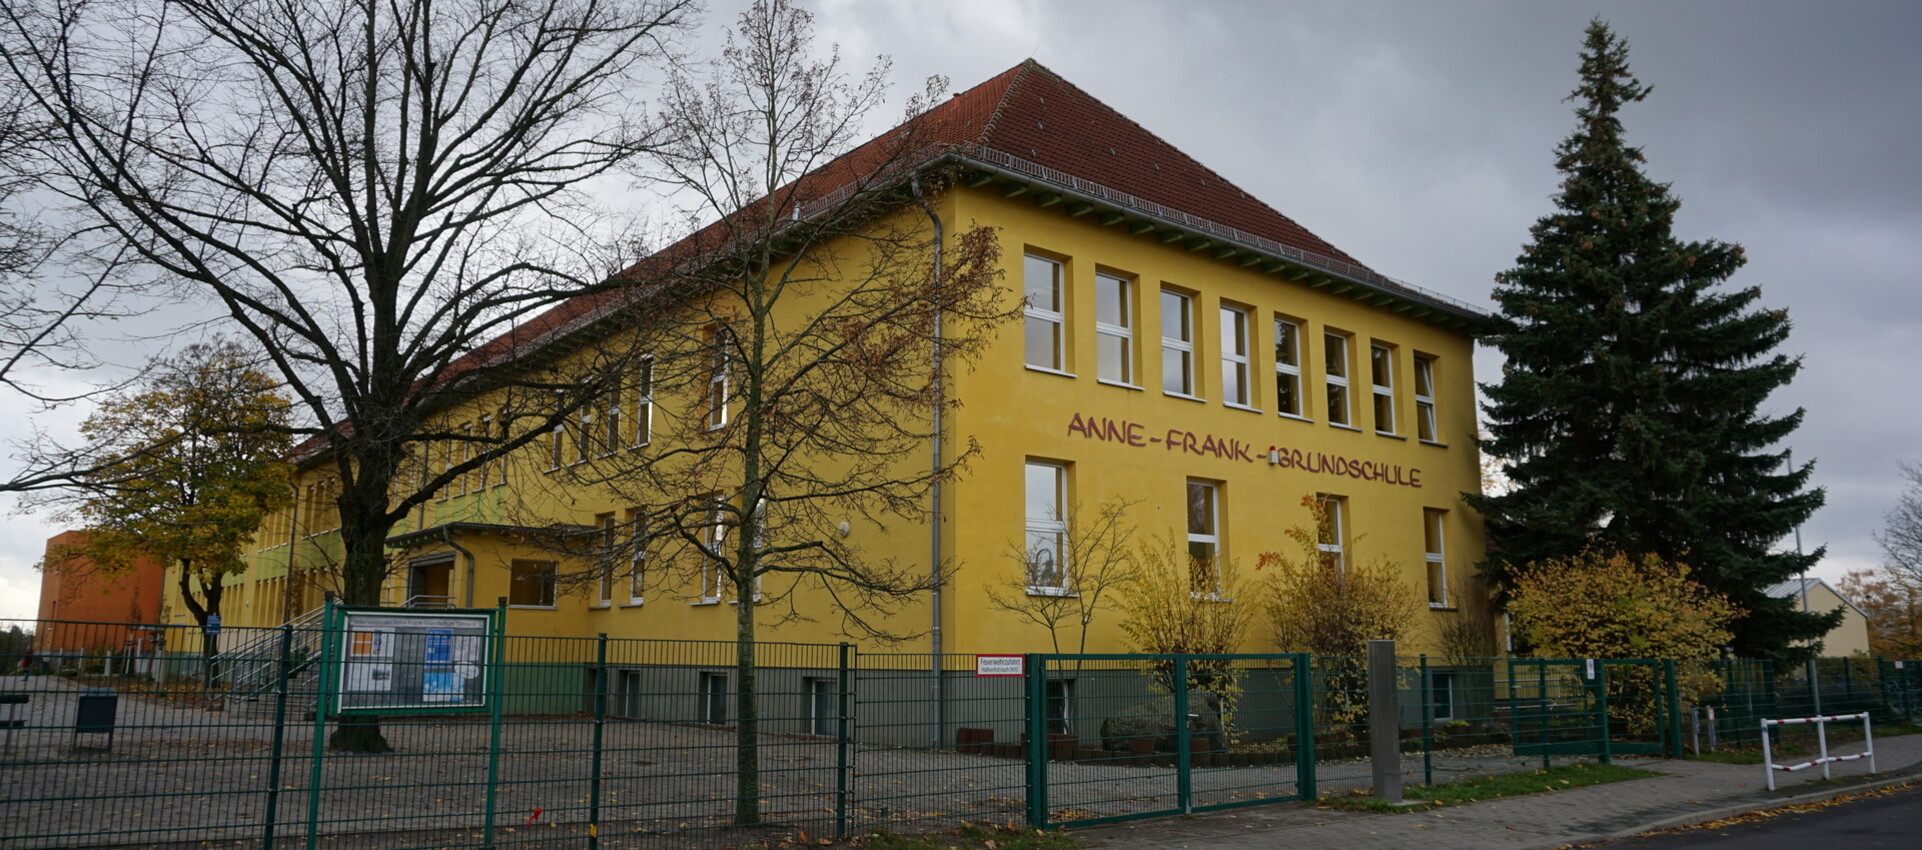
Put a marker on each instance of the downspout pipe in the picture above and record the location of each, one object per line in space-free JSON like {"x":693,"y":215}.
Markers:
{"x":937,"y":691}
{"x":467,"y":587}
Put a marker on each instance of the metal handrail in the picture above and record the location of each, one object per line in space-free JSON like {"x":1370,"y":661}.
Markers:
{"x":423,"y":600}
{"x":250,"y":668}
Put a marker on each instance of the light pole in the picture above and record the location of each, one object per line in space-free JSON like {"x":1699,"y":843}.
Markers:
{"x":1815,"y":684}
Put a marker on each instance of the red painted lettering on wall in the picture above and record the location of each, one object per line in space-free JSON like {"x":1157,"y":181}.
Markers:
{"x":1131,"y":433}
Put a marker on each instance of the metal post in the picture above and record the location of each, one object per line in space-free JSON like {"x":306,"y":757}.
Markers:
{"x":1868,"y":740}
{"x":495,"y":672}
{"x":841,"y":761}
{"x":1674,"y":704}
{"x":280,"y":735}
{"x":1541,"y":674}
{"x":1184,"y":745}
{"x":1427,"y":726}
{"x":1768,"y":755}
{"x":1822,"y":741}
{"x":600,"y":724}
{"x":321,"y":701}
{"x":1037,"y":741}
{"x":1305,"y":726}
{"x":1384,"y":721}
{"x":1695,"y":729}
{"x":1601,"y":697}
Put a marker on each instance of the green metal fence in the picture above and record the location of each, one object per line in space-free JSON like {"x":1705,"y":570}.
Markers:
{"x":133,"y":736}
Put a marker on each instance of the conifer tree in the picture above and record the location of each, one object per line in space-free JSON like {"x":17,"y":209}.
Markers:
{"x":1629,"y":408}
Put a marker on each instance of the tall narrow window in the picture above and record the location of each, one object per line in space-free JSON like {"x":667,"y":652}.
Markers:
{"x":1177,"y":343}
{"x":1045,"y":336}
{"x":605,"y":543}
{"x":636,"y":556}
{"x":1425,"y":398}
{"x":1431,"y":524}
{"x":611,"y":435}
{"x":467,"y":454}
{"x":719,"y":341}
{"x":500,"y":471}
{"x":584,"y":435}
{"x":485,"y":475}
{"x":713,"y":538}
{"x":714,"y":698}
{"x":1204,"y":537}
{"x":1288,"y":368}
{"x":557,"y":436}
{"x":1332,"y":531}
{"x":1235,"y":389}
{"x":1047,"y":528}
{"x":644,"y":403}
{"x":1381,"y":368}
{"x":824,"y":711}
{"x":1114,"y":328}
{"x":1335,"y":366}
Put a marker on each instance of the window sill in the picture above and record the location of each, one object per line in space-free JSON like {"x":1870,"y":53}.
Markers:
{"x":1208,"y":597}
{"x":1053,"y":591}
{"x":1233,"y":406}
{"x":1184,"y":396}
{"x":1442,"y":606}
{"x":1433,"y":443}
{"x":535,"y":607}
{"x":1122,"y":384}
{"x":1047,"y":371}
{"x":600,"y":606}
{"x":706,"y":601}
{"x":635,"y":604}
{"x":757,"y":600}
{"x":1344,"y":427}
{"x":1390,"y":435}
{"x":638,"y":446}
{"x":1295,"y":416}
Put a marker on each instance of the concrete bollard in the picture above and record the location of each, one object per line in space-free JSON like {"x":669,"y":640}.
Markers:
{"x":1384,"y":720}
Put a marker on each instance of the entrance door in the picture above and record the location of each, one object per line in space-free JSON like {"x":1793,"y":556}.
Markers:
{"x":429,"y":585}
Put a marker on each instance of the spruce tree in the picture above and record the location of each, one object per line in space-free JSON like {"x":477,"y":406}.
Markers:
{"x":1629,"y":409}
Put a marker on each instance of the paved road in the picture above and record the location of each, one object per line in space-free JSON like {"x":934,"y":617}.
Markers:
{"x":1882,"y":821}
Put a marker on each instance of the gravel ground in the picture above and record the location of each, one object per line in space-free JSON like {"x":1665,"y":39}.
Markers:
{"x":177,"y":773}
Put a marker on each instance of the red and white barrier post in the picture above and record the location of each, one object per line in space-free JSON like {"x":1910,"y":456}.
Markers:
{"x":1822,"y":739}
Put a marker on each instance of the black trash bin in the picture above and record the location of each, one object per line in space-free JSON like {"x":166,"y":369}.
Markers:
{"x":94,"y":714}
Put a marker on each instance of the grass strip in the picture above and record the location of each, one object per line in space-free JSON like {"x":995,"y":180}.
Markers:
{"x":970,"y":837}
{"x":1425,"y":797}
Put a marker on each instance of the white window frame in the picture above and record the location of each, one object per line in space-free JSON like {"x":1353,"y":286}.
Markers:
{"x":1426,"y":428}
{"x":1289,"y":373}
{"x":830,"y":721}
{"x":1435,"y":555}
{"x":584,"y":436}
{"x":636,"y":557}
{"x":500,"y":461}
{"x":714,"y":536}
{"x":1441,"y":697}
{"x":1210,"y":537}
{"x":1123,"y":332}
{"x":604,"y":543}
{"x":467,"y":454}
{"x":1335,"y":372}
{"x":1053,"y":314}
{"x":1185,"y":305}
{"x":557,"y":436}
{"x":714,"y":702}
{"x":1336,"y":507}
{"x":445,"y":449}
{"x":644,"y":402}
{"x":484,"y":470}
{"x":1235,"y":358}
{"x":611,"y":428}
{"x":719,"y":378}
{"x":1055,"y":527}
{"x":1379,"y":370}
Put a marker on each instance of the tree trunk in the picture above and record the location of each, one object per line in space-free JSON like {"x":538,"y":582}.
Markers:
{"x":747,"y":764}
{"x":363,"y":571}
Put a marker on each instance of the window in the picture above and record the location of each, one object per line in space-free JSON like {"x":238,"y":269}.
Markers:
{"x":628,"y":694}
{"x":1425,"y":398}
{"x":605,"y":543}
{"x":1288,"y":368}
{"x":467,"y":479}
{"x":446,"y":450}
{"x":644,"y":403}
{"x":1060,"y":706}
{"x":1332,"y":531}
{"x":1047,"y":528}
{"x":714,"y":698}
{"x":1204,"y":537}
{"x":713,"y":538}
{"x":1441,"y":696}
{"x":1381,"y":366}
{"x":484,"y":474}
{"x":584,"y":435}
{"x":824,"y":708}
{"x":532,"y":584}
{"x":557,"y":436}
{"x":1045,"y":336}
{"x":1114,"y":324}
{"x":636,"y":556}
{"x":719,"y":341}
{"x":1234,"y":358}
{"x":1335,"y":366}
{"x":1177,"y":343}
{"x":611,"y":426}
{"x":500,"y":463}
{"x":1431,"y":523}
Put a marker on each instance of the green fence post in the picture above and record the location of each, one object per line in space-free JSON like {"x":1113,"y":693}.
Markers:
{"x":1427,"y":727}
{"x":1601,"y":713}
{"x":280,"y":735}
{"x":1037,"y":720}
{"x":600,"y":723}
{"x":841,"y":762}
{"x":1184,"y":745}
{"x":497,"y":668}
{"x":1674,"y":703}
{"x":1305,"y":726}
{"x":321,"y":699}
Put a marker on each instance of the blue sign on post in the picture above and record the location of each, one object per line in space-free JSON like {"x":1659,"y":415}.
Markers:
{"x":213,"y":624}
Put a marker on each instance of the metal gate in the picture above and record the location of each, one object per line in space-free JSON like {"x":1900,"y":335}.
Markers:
{"x":1137,"y":736}
{"x":1593,"y":707}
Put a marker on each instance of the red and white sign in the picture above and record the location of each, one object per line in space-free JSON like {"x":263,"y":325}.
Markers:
{"x":998,"y":665}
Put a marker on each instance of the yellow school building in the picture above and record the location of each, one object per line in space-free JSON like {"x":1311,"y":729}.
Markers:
{"x":1183,"y":348}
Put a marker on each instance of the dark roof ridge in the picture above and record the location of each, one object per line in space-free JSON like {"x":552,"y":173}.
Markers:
{"x":1007,"y":96}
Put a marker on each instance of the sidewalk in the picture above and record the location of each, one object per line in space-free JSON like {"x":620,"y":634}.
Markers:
{"x":1688,"y":792}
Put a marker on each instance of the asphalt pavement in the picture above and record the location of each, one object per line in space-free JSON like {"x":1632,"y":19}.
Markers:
{"x":1890,"y":819}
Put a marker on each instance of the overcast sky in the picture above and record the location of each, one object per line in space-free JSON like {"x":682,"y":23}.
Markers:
{"x":1417,"y":137}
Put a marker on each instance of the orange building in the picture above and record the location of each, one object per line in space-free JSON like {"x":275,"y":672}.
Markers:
{"x":73,"y":590}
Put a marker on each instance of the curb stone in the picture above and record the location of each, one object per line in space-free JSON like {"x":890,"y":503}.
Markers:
{"x":1900,"y":776}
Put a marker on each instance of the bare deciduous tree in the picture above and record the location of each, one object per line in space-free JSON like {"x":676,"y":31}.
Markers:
{"x":810,"y":328}
{"x":387,"y":196}
{"x":1901,"y":535}
{"x":1066,"y":587}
